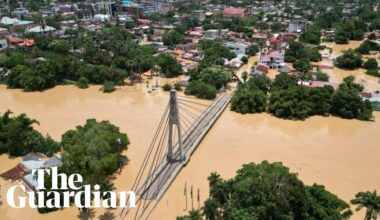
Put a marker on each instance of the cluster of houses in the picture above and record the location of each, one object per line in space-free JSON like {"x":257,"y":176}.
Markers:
{"x":22,"y":172}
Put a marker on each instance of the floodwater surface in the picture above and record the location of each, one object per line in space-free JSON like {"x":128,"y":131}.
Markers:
{"x":341,"y":154}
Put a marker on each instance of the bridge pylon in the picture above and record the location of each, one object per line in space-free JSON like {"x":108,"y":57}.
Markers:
{"x":174,"y":120}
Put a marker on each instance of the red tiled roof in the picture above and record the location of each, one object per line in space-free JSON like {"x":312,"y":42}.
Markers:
{"x":232,"y":11}
{"x":15,"y":173}
{"x":262,"y":68}
{"x":14,"y":39}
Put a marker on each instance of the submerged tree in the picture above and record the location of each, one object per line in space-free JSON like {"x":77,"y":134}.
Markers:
{"x":270,"y":191}
{"x":370,"y":201}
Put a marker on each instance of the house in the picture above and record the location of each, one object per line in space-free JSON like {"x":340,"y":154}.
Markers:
{"x":40,"y":29}
{"x":54,"y":161}
{"x":273,"y":59}
{"x":233,"y":12}
{"x":3,"y":44}
{"x":260,"y":37}
{"x":30,"y":162}
{"x":317,"y":84}
{"x":261,"y":69}
{"x":212,"y":34}
{"x":14,"y":21}
{"x":237,"y":48}
{"x":200,"y":15}
{"x":374,"y":98}
{"x":296,"y":26}
{"x":143,"y":21}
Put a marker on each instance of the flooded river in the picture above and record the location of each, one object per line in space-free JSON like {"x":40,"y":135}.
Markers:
{"x":341,"y":154}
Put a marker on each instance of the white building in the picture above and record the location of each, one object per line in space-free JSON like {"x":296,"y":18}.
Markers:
{"x":3,"y":44}
{"x":40,"y":29}
{"x":237,"y":48}
{"x":211,"y":34}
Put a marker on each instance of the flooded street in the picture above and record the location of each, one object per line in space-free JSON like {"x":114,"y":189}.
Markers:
{"x":340,"y":154}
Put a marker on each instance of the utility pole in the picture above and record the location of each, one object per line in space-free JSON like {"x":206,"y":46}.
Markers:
{"x":174,"y":120}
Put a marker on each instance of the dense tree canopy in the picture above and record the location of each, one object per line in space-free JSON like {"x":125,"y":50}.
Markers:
{"x":169,"y":65}
{"x":173,"y":37}
{"x":349,"y":60}
{"x":270,"y":191}
{"x":18,"y":137}
{"x":94,"y":151}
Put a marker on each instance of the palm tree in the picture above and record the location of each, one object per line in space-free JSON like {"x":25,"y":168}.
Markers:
{"x":369,"y":200}
{"x":210,"y":209}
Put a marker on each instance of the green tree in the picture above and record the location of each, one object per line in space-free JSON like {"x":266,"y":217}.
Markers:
{"x":270,"y":191}
{"x":169,"y":65}
{"x":302,"y":65}
{"x":311,"y":35}
{"x":217,"y":76}
{"x":60,"y":46}
{"x":18,"y":137}
{"x":371,"y":64}
{"x":201,"y":90}
{"x":82,"y":83}
{"x":173,"y":37}
{"x":347,"y":103}
{"x":94,"y":151}
{"x":108,"y":87}
{"x":349,"y":60}
{"x":249,"y":101}
{"x":370,"y":201}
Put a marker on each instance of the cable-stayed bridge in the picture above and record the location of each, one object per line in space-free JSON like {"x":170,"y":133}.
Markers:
{"x":184,"y":124}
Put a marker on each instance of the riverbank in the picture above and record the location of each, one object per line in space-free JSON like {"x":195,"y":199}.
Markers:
{"x":340,"y":154}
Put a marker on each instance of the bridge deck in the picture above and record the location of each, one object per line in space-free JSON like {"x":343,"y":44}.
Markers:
{"x":165,"y":173}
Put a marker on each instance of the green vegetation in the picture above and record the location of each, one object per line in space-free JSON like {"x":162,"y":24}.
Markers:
{"x":321,"y":76}
{"x":311,"y":35}
{"x":201,"y":90}
{"x":82,"y":83}
{"x":367,"y":46}
{"x":350,"y":29}
{"x":346,"y":102}
{"x":270,"y":191}
{"x":94,"y":151}
{"x":177,"y":87}
{"x":291,"y":101}
{"x":173,"y":37}
{"x":302,"y":65}
{"x":371,"y":64}
{"x":108,"y":55}
{"x":349,"y":60}
{"x":217,"y":76}
{"x":205,"y":83}
{"x":249,"y":101}
{"x":214,"y":54}
{"x":298,"y":51}
{"x":370,"y":201}
{"x":169,"y":65}
{"x":18,"y":137}
{"x":193,"y":215}
{"x":108,"y":87}
{"x":167,"y":87}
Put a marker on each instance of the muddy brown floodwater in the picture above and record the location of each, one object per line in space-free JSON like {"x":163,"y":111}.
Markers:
{"x":341,"y":154}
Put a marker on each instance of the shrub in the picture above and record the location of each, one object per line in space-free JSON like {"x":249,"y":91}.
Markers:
{"x":249,"y":101}
{"x":82,"y":83}
{"x":178,"y":87}
{"x":167,"y":87}
{"x":201,"y":90}
{"x":373,"y":72}
{"x":371,"y":64}
{"x":320,"y":76}
{"x":349,"y":60}
{"x":108,"y":87}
